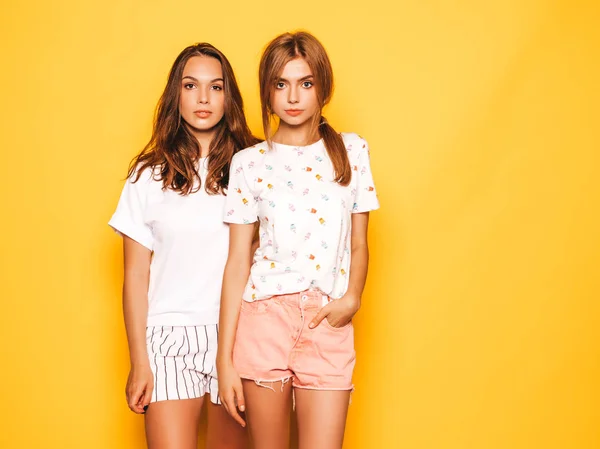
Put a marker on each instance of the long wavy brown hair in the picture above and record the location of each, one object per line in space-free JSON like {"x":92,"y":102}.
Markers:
{"x":173,"y":151}
{"x":277,"y":54}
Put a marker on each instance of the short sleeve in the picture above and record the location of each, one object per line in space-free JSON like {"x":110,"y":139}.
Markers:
{"x":365,"y":196}
{"x":240,"y":206}
{"x":129,"y":218}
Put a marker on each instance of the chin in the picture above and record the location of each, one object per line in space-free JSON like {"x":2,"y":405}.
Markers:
{"x":205,"y":126}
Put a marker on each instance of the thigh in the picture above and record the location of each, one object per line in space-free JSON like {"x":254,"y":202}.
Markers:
{"x":321,"y":417}
{"x":268,"y":411}
{"x":173,"y":424}
{"x":223,"y":432}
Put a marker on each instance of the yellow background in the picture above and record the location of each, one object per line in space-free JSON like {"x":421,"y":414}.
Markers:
{"x":480,"y":326}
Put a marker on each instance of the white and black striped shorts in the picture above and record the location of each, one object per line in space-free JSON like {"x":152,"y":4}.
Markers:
{"x":183,"y":361}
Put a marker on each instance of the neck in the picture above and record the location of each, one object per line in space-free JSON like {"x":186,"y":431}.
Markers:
{"x":301,"y":135}
{"x":204,"y":139}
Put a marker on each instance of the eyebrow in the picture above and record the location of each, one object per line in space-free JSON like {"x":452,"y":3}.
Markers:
{"x":194,"y":79}
{"x":304,"y":78}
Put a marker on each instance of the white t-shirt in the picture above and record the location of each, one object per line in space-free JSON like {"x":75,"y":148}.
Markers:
{"x":189,"y":242}
{"x":305,"y":217}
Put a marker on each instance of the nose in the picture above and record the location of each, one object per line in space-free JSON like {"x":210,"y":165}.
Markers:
{"x":293,"y":95}
{"x":202,"y":95}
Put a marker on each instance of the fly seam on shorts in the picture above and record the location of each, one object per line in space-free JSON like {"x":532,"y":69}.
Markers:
{"x":301,"y":301}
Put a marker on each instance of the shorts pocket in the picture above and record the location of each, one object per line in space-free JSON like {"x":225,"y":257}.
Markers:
{"x":334,"y":355}
{"x":336,"y":329}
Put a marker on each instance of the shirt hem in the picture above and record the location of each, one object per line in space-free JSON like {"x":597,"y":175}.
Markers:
{"x":366,"y":209}
{"x":269,"y":296}
{"x":179,"y":319}
{"x":242,"y":221}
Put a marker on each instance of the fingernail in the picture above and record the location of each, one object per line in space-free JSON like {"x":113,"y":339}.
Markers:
{"x":311,"y":325}
{"x":242,"y":408}
{"x":145,"y":408}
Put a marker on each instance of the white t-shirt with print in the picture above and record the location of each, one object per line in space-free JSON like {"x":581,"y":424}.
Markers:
{"x":189,"y":242}
{"x":305,"y":216}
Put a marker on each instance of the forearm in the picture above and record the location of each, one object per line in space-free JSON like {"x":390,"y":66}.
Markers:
{"x":135,"y":312}
{"x":135,"y":298}
{"x":359,"y":263}
{"x":234,"y":281}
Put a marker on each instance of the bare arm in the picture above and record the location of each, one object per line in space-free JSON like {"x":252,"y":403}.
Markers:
{"x":135,"y":298}
{"x":255,"y":241}
{"x":340,"y":312}
{"x":135,"y":311}
{"x":235,"y":278}
{"x":359,"y":262}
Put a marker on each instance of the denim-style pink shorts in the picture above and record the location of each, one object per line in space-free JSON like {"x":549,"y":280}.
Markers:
{"x":274,"y":343}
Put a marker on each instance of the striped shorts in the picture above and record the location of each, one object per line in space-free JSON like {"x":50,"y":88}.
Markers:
{"x":183,"y":361}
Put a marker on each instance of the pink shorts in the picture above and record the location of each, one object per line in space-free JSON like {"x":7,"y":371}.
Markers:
{"x":274,"y":343}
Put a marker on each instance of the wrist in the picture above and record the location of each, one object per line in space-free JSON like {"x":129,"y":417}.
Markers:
{"x":138,"y":356}
{"x":136,"y":364}
{"x":353,"y":299}
{"x":224,"y":361}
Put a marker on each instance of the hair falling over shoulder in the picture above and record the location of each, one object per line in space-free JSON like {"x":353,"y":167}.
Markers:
{"x":173,"y":151}
{"x":277,"y":54}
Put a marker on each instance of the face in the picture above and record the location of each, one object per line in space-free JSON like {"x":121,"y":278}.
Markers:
{"x":294,"y":98}
{"x":202,"y":102}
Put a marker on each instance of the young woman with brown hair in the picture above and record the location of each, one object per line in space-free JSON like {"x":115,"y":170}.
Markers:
{"x":285,"y":321}
{"x":175,"y":248}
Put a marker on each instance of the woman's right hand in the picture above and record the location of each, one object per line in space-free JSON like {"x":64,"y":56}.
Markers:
{"x":140,"y":385}
{"x":231,"y":392}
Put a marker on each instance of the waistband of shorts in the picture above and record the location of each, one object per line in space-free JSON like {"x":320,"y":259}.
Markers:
{"x":306,"y":296}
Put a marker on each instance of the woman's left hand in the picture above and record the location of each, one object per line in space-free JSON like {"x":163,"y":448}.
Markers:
{"x":338,"y":312}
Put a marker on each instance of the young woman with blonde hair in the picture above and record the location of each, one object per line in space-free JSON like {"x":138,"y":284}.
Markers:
{"x":286,"y":319}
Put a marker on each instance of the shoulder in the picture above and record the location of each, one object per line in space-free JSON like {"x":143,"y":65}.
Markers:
{"x":353,"y":141}
{"x":145,"y":178}
{"x":355,"y":144}
{"x":249,"y":154}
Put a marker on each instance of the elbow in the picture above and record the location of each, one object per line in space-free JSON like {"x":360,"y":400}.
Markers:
{"x":237,"y":266}
{"x":361,"y":248}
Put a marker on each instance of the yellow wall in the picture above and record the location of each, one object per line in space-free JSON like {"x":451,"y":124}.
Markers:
{"x":481,"y":324}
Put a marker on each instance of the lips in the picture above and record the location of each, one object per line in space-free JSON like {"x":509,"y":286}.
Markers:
{"x":294,"y":112}
{"x":202,"y":113}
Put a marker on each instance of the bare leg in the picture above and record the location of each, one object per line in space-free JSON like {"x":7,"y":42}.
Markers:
{"x":268,"y":413}
{"x":173,"y":424}
{"x":223,"y":432}
{"x":321,"y":418}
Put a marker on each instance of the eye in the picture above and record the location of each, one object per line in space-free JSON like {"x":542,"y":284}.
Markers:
{"x":189,"y":86}
{"x":279,"y":85}
{"x":307,"y":84}
{"x":216,"y":87}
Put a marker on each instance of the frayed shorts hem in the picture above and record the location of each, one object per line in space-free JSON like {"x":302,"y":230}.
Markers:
{"x":286,"y":379}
